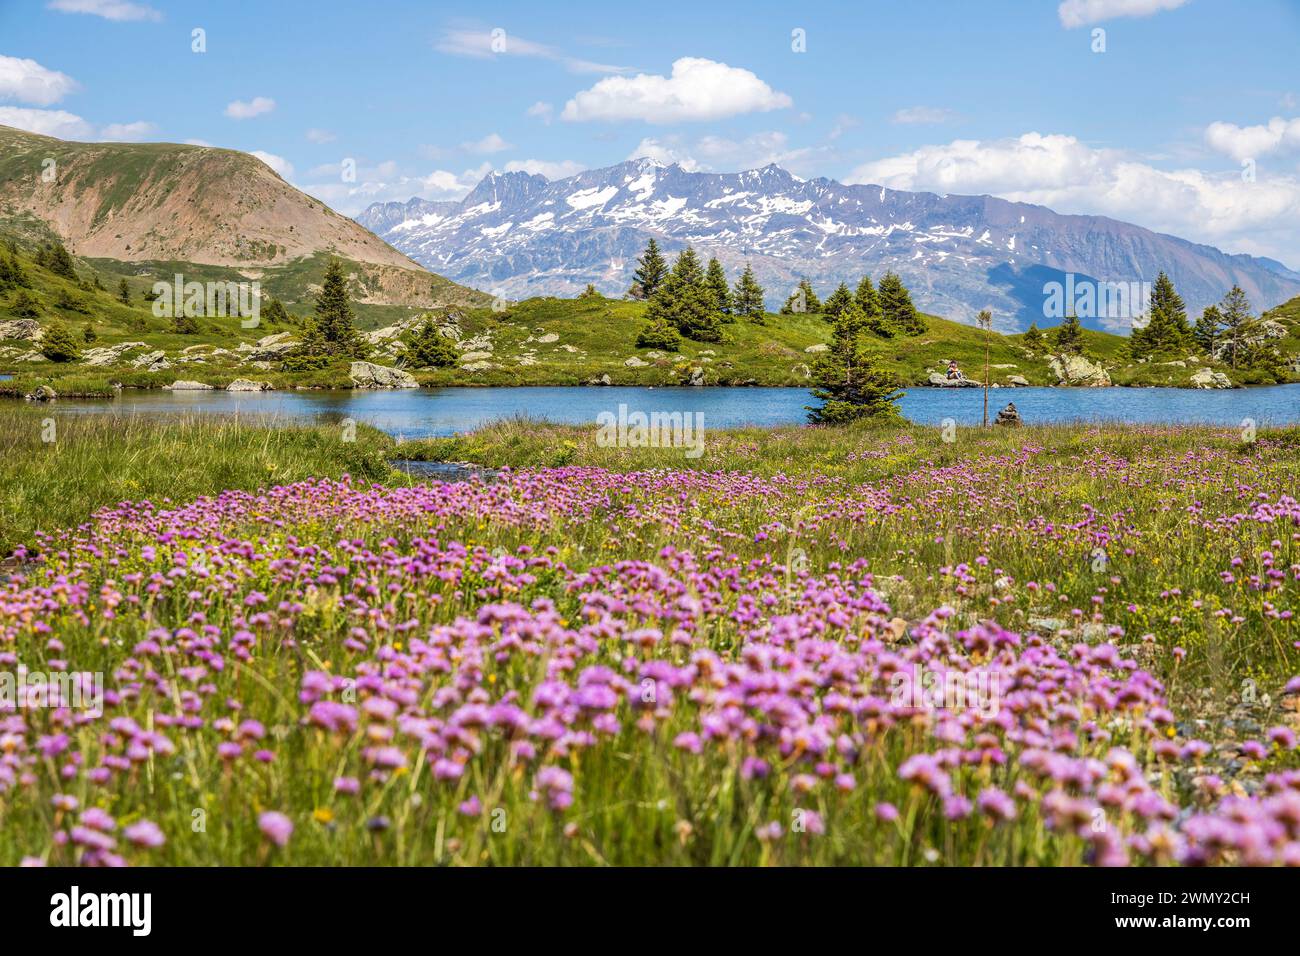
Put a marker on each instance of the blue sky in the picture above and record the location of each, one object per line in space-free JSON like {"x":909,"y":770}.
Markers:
{"x":1006,"y":97}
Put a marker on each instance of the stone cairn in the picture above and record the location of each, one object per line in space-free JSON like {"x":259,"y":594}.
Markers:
{"x":1009,"y":416}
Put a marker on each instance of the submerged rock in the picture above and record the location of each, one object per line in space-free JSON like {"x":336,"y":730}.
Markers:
{"x":42,"y":393}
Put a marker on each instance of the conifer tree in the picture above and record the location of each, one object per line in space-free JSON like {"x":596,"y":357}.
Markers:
{"x":1208,"y":328}
{"x":896,"y":306}
{"x":685,"y":301}
{"x":1068,"y":338}
{"x":747,"y":300}
{"x":123,"y":293}
{"x":25,"y":305}
{"x":847,"y":382}
{"x":650,"y":273}
{"x":58,"y":345}
{"x":429,"y":347}
{"x":1034,"y":337}
{"x":1239,"y":328}
{"x":716,"y":278}
{"x":839,"y":300}
{"x":1166,"y":329}
{"x":334,"y":330}
{"x":59,"y":262}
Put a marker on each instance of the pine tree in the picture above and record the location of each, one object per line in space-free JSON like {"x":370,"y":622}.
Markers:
{"x":58,"y":345}
{"x":1068,"y":338}
{"x":716,"y":278}
{"x":428,"y":347}
{"x":1208,"y":326}
{"x":123,"y":293}
{"x":25,"y":305}
{"x":274,"y":312}
{"x":686,"y":302}
{"x":747,"y":300}
{"x":1239,"y":327}
{"x":89,"y":335}
{"x":334,"y":329}
{"x":896,"y":306}
{"x":1034,"y":337}
{"x":650,"y":273}
{"x":847,"y":382}
{"x":1166,"y":329}
{"x":59,"y":262}
{"x":659,"y":334}
{"x":866,"y":298}
{"x":839,"y":300}
{"x":6,"y":272}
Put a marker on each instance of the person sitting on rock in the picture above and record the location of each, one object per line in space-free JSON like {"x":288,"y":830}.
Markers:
{"x":953,"y":371}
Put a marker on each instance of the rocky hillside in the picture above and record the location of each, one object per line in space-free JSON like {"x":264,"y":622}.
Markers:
{"x":525,"y":235}
{"x":164,"y":206}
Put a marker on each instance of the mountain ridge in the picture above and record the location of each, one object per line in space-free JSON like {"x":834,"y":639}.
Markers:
{"x":519,"y":234}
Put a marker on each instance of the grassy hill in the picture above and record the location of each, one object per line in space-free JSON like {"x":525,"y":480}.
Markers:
{"x":543,"y":341}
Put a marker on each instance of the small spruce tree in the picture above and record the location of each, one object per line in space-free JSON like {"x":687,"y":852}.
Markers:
{"x":747,"y":298}
{"x":58,"y":345}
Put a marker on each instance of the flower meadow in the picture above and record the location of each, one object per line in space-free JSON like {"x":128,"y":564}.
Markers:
{"x":1011,"y":654}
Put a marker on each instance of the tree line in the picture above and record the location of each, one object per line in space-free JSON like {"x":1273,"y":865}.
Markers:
{"x":688,"y":300}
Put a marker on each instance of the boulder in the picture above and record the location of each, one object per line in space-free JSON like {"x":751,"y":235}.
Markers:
{"x":272,"y":347}
{"x":1208,"y":378}
{"x":548,"y":338}
{"x":1017,"y":380}
{"x":42,"y":393}
{"x":152,"y":361}
{"x":475,"y":356}
{"x":248,"y":385}
{"x":27,"y":330}
{"x":600,"y":380}
{"x":1077,"y":370}
{"x":939,"y":380}
{"x":635,"y":362}
{"x":696,"y":376}
{"x":1009,"y":417}
{"x":109,"y":354}
{"x":819,"y":347}
{"x":185,"y":385}
{"x":369,"y":375}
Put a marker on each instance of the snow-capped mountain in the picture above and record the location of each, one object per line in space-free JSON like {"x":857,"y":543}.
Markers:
{"x":520,"y":234}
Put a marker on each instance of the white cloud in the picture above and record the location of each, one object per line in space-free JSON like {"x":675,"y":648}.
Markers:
{"x":108,"y":9}
{"x":278,"y":163}
{"x":241,"y":109}
{"x":490,"y":43}
{"x":127,"y":132}
{"x":29,"y":82}
{"x":917,"y":115}
{"x":491,"y":143}
{"x":1248,"y":142}
{"x":562,"y":169}
{"x":710,"y":153}
{"x":543,"y":111}
{"x":58,"y":123}
{"x":385,"y":184}
{"x":1262,"y":217}
{"x":1081,"y":13}
{"x":698,"y":89}
{"x":320,"y":136}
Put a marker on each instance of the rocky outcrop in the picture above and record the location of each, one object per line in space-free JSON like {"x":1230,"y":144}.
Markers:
{"x":1208,"y":378}
{"x":185,"y":385}
{"x":939,"y":380}
{"x":109,"y":354}
{"x":25,"y":330}
{"x":248,"y":385}
{"x":370,"y":375}
{"x":1078,"y":371}
{"x":1018,"y":380}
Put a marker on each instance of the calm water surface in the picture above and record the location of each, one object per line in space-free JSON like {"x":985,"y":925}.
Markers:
{"x":416,"y":413}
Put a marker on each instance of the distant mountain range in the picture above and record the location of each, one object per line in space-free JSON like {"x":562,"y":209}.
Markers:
{"x":519,"y":234}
